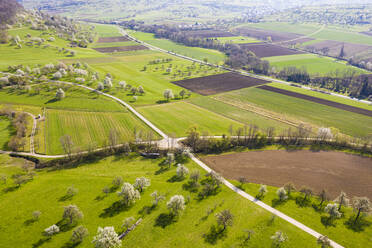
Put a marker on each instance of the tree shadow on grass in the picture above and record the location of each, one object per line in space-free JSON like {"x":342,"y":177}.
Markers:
{"x":65,"y":198}
{"x":70,"y":244}
{"x":146,"y":210}
{"x":276,"y":202}
{"x":51,"y":101}
{"x":301,"y":202}
{"x":162,"y":101}
{"x":10,"y":189}
{"x":115,"y":209}
{"x":164,"y":220}
{"x":190,"y":186}
{"x":327,"y":221}
{"x":175,"y":179}
{"x":29,"y":222}
{"x":65,"y":226}
{"x":40,"y":242}
{"x":215,"y":233}
{"x":359,"y":226}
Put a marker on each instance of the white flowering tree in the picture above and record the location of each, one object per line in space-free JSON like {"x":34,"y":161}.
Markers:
{"x":50,"y":231}
{"x":106,"y":238}
{"x":168,"y":94}
{"x":176,"y":205}
{"x":141,"y":183}
{"x":128,"y":194}
{"x":282,"y":194}
{"x":60,"y":94}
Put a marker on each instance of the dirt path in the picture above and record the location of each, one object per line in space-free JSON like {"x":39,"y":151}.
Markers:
{"x":333,"y":171}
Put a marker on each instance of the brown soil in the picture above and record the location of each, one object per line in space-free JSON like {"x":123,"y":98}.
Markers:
{"x":120,"y":49}
{"x":262,"y":34}
{"x":268,"y":50}
{"x":335,"y":48}
{"x":113,"y":39}
{"x":333,"y":171}
{"x":318,"y":100}
{"x":209,"y":33}
{"x":219,"y":83}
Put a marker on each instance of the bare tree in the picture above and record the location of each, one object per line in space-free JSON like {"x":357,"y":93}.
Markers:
{"x":361,"y":205}
{"x":323,"y":196}
{"x":225,"y":219}
{"x":342,"y":200}
{"x":289,"y":187}
{"x":67,"y":144}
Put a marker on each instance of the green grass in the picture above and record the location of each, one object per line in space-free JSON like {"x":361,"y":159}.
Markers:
{"x":6,"y":132}
{"x":114,"y":44}
{"x":104,"y":30}
{"x":89,"y":128}
{"x":343,"y":36}
{"x":177,"y":118}
{"x":307,"y":215}
{"x":323,"y":96}
{"x":213,"y":56}
{"x":154,"y":80}
{"x":347,"y":122}
{"x":314,"y":64}
{"x":49,"y":186}
{"x":237,"y":40}
{"x":32,"y":55}
{"x":76,"y":99}
{"x":238,"y":114}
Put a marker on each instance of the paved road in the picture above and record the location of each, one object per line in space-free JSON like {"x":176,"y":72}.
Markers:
{"x":230,"y":69}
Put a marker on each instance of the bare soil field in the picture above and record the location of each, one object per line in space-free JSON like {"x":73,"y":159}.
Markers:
{"x":268,"y":50}
{"x":263,"y":34}
{"x":219,"y":83}
{"x":335,"y":47}
{"x":113,"y":39}
{"x":120,"y":49}
{"x":318,"y":100}
{"x":209,"y":33}
{"x":333,"y":171}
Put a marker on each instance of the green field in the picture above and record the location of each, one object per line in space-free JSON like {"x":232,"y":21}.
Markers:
{"x":213,"y":56}
{"x":237,"y":39}
{"x":238,"y":114}
{"x":89,"y":128}
{"x":322,"y":96}
{"x":6,"y":132}
{"x":104,"y":30}
{"x":314,"y":64}
{"x":114,"y":44}
{"x":343,"y":36}
{"x":76,"y":98}
{"x":347,"y":122}
{"x":339,"y":232}
{"x":177,"y":118}
{"x":49,"y":187}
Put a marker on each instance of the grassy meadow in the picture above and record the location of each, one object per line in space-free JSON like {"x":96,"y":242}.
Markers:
{"x":314,"y":64}
{"x":177,"y":118}
{"x":324,"y":116}
{"x":6,"y":132}
{"x":213,"y":56}
{"x":195,"y":227}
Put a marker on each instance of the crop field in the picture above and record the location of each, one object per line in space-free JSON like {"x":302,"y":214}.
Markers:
{"x":208,"y":33}
{"x":349,"y":108}
{"x":269,"y":50}
{"x":6,"y":132}
{"x":343,"y":36}
{"x":237,"y":40}
{"x":346,"y":122}
{"x":238,"y":114}
{"x":107,"y":30}
{"x":322,"y":96}
{"x":114,"y":44}
{"x":120,"y":49}
{"x":76,"y":98}
{"x":112,"y":39}
{"x":214,"y":84}
{"x":350,"y":49}
{"x":332,"y":171}
{"x":262,"y":34}
{"x":89,"y":128}
{"x":212,"y":56}
{"x":177,"y":118}
{"x":296,"y":28}
{"x":49,"y":187}
{"x":314,"y":64}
